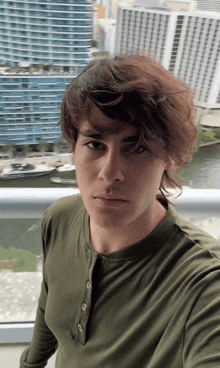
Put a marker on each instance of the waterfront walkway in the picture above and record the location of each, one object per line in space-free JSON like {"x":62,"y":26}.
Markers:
{"x":211,"y":119}
{"x":53,"y":160}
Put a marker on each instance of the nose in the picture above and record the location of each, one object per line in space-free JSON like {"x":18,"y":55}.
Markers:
{"x":111,"y":168}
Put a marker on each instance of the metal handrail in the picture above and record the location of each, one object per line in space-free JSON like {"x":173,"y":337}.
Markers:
{"x":33,"y":202}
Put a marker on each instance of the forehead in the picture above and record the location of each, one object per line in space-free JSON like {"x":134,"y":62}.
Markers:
{"x":96,"y":121}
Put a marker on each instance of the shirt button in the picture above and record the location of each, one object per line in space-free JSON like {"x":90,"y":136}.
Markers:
{"x":88,"y":285}
{"x":80,"y":327}
{"x":85,"y":307}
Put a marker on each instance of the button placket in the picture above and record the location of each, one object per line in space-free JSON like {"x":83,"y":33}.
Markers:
{"x":80,"y":327}
{"x":84,"y":315}
{"x":85,"y":305}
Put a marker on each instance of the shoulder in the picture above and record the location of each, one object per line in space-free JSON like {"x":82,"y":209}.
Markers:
{"x":62,"y":214}
{"x":65,"y":206}
{"x":195,"y":235}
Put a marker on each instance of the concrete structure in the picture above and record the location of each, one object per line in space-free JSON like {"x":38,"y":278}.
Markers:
{"x":115,"y":4}
{"x":150,"y":3}
{"x":107,"y":4}
{"x":45,"y":32}
{"x":99,"y":12}
{"x":187,"y":44}
{"x":208,"y":5}
{"x":30,"y":107}
{"x":107,"y":34}
{"x":182,"y":6}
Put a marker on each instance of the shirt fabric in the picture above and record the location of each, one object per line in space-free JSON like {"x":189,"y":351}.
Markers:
{"x":154,"y":304}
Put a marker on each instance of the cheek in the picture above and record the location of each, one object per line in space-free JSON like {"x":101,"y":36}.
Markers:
{"x":84,"y":172}
{"x":150,"y":179}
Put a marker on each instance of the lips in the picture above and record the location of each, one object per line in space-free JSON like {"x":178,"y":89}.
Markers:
{"x":110,"y":198}
{"x":110,"y":201}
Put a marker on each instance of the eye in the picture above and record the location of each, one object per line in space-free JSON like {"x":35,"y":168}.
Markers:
{"x":140,"y":149}
{"x":136,"y":149}
{"x":94,"y":145}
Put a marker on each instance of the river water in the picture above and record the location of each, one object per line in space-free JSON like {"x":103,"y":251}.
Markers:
{"x":204,"y":170}
{"x":202,"y":173}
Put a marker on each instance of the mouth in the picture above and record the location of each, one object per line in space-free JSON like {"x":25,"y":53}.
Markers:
{"x":110,"y":202}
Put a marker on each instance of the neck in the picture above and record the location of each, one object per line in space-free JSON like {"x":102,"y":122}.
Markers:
{"x":109,"y":240}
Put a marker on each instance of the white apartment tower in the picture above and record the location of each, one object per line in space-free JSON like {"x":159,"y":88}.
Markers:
{"x":208,"y":5}
{"x":187,"y":44}
{"x":107,"y":31}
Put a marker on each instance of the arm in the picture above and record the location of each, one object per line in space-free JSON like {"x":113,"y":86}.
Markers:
{"x":43,"y":344}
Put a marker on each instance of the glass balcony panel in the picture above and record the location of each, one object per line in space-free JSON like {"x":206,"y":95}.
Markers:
{"x":20,"y":259}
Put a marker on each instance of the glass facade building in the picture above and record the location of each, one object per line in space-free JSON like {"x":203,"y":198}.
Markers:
{"x":45,"y":32}
{"x":30,"y":108}
{"x":44,"y":44}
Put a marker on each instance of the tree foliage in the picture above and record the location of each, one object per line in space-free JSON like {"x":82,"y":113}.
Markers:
{"x":19,"y":259}
{"x":9,"y":148}
{"x":43,"y":146}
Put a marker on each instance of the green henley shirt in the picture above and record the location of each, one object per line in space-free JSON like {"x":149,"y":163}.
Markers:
{"x":155,"y":304}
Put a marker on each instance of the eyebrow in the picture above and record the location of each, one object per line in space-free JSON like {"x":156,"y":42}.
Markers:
{"x":102,"y":136}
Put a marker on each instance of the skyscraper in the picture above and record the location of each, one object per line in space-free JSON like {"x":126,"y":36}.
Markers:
{"x":51,"y":40}
{"x":208,"y":5}
{"x":45,"y":32}
{"x":187,"y":44}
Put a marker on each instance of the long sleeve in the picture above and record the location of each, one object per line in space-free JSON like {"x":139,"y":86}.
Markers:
{"x":43,"y":344}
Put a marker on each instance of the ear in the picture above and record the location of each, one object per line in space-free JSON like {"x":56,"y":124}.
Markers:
{"x":171,"y":164}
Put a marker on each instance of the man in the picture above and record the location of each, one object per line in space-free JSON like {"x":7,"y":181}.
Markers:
{"x":127,"y":282}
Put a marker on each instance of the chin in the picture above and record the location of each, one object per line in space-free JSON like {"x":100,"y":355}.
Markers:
{"x":109,"y":220}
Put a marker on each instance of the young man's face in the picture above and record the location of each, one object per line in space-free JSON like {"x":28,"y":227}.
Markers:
{"x":118,"y":182}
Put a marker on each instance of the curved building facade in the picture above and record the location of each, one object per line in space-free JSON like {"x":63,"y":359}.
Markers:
{"x":30,"y":108}
{"x":46,"y":32}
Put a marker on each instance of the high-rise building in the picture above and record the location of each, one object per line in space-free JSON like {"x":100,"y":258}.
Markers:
{"x":208,"y":5}
{"x":30,"y":107}
{"x":187,"y":44}
{"x":107,"y":30}
{"x":45,"y":32}
{"x":45,"y":44}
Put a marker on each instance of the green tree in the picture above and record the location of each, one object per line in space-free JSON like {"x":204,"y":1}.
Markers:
{"x":43,"y":147}
{"x":217,"y":133}
{"x":27,"y":150}
{"x":21,"y":260}
{"x":10,"y":149}
{"x":206,"y":137}
{"x":58,"y":146}
{"x":40,"y":67}
{"x":94,"y":43}
{"x":210,"y":135}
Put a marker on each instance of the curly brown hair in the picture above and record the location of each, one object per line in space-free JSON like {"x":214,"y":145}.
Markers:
{"x":136,"y":90}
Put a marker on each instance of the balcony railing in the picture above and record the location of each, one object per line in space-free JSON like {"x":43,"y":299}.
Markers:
{"x":32,"y":203}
